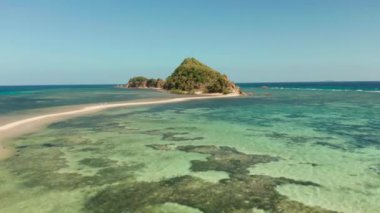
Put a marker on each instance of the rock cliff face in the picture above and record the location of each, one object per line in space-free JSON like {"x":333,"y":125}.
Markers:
{"x":190,"y":77}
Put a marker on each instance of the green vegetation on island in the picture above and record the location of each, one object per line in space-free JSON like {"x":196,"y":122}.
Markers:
{"x":194,"y":76}
{"x":190,"y":77}
{"x":142,"y":82}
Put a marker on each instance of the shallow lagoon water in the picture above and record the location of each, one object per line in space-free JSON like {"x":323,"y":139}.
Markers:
{"x":278,"y":151}
{"x":15,"y":100}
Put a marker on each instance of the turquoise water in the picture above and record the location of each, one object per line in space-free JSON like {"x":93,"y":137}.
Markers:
{"x":281,"y":150}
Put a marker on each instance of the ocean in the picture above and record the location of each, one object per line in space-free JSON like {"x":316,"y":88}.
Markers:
{"x":288,"y":147}
{"x":20,"y":99}
{"x":360,"y":86}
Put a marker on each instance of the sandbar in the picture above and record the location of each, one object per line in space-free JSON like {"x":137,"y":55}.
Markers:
{"x":17,"y":128}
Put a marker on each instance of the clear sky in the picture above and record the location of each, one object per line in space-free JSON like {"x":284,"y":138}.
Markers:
{"x":104,"y":41}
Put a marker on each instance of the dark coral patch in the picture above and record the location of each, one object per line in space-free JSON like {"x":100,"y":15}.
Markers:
{"x":49,"y":145}
{"x":229,"y":195}
{"x":375,"y":168}
{"x":99,"y":123}
{"x":330,"y":145}
{"x":226,"y":159}
{"x":40,"y":168}
{"x":21,"y":146}
{"x":97,"y":162}
{"x":239,"y":193}
{"x":172,"y":136}
{"x":162,"y":147}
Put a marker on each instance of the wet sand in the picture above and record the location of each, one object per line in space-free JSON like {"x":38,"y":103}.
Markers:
{"x":15,"y":128}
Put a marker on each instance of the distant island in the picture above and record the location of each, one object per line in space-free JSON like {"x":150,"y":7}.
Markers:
{"x":190,"y":77}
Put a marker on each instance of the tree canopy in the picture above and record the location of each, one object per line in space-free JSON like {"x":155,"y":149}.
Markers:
{"x":192,"y":75}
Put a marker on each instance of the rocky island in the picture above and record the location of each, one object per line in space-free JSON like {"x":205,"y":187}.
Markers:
{"x":190,"y":77}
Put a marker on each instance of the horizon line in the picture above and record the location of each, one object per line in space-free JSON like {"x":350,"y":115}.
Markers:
{"x":108,"y":84}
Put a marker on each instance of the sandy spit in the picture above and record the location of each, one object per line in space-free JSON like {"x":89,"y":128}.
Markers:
{"x":33,"y":124}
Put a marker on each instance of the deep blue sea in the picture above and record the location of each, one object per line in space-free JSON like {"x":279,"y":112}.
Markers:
{"x":372,"y":86}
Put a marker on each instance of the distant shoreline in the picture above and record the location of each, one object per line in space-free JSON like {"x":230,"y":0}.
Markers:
{"x":32,"y":124}
{"x":238,"y":83}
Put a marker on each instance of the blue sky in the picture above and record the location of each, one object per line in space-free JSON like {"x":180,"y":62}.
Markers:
{"x":73,"y":42}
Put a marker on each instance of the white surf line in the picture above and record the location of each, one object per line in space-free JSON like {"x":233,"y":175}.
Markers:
{"x":101,"y":107}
